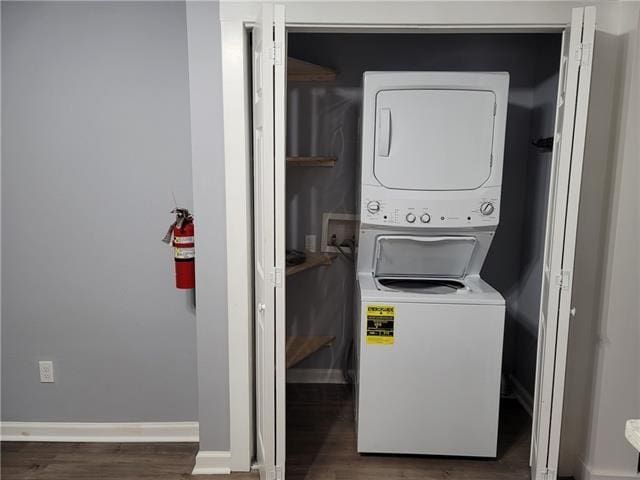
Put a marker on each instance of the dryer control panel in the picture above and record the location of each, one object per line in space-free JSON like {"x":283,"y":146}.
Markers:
{"x":477,"y":212}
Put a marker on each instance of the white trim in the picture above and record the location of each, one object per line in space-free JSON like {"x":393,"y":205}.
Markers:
{"x":238,"y":178}
{"x":212,"y":463}
{"x":315,"y":375}
{"x":522,"y":395}
{"x":402,"y":14}
{"x":204,"y":65}
{"x":99,"y":432}
{"x":587,"y":473}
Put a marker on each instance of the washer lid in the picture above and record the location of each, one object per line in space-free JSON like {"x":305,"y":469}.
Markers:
{"x":434,"y":139}
{"x":398,"y":256}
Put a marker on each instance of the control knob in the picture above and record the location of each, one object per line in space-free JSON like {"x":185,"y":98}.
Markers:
{"x":425,"y":218}
{"x":487,"y":208}
{"x":410,"y":217}
{"x":373,"y":206}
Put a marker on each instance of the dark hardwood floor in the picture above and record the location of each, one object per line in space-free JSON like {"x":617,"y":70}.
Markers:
{"x":320,"y":446}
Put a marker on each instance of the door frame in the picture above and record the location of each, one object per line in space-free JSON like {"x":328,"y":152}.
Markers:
{"x":236,"y":19}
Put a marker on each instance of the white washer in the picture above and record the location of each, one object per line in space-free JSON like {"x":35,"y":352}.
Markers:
{"x":428,"y":352}
{"x":429,"y":349}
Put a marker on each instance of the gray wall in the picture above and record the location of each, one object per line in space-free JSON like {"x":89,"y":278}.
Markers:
{"x":95,"y":116}
{"x":205,"y":83}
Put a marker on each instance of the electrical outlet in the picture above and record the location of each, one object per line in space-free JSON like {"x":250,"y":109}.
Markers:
{"x":46,"y":371}
{"x":310,"y":243}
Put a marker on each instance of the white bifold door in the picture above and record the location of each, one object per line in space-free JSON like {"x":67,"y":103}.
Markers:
{"x":269,"y":97}
{"x":269,"y":69}
{"x":560,"y":241}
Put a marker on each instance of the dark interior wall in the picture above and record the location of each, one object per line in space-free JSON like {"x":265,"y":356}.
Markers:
{"x":526,"y":314}
{"x":323,"y":119}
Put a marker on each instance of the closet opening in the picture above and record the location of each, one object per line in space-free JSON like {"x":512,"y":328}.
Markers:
{"x":323,"y":139}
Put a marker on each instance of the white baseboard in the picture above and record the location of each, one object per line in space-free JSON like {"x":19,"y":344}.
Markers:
{"x":522,"y":395}
{"x":212,"y":463}
{"x":587,"y":473}
{"x":315,"y":375}
{"x":99,"y":432}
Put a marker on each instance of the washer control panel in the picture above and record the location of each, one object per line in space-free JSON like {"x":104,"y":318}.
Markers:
{"x":444,"y":213}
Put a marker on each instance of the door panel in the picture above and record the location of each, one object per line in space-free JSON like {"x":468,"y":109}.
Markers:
{"x":280,"y":115}
{"x":571,"y":230}
{"x":562,"y":214}
{"x":262,"y":44}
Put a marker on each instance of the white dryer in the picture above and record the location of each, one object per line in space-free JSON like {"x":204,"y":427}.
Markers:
{"x":429,"y":330}
{"x":432,"y":149}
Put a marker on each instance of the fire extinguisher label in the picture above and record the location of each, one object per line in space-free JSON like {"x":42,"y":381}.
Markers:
{"x":182,"y":240}
{"x":185,"y":253}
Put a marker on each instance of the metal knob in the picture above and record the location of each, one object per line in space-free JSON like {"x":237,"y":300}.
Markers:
{"x":410,"y":217}
{"x":373,"y":206}
{"x":425,"y":218}
{"x":487,"y":208}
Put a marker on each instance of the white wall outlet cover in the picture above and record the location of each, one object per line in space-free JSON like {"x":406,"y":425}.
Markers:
{"x":310,"y":243}
{"x":344,"y":226}
{"x":46,"y":371}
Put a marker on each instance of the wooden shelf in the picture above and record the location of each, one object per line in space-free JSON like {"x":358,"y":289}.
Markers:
{"x":301,"y":71}
{"x":298,"y":348}
{"x":313,"y":260}
{"x":311,"y":161}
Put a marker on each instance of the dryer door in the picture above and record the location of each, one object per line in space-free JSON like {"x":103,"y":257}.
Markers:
{"x":434,"y":139}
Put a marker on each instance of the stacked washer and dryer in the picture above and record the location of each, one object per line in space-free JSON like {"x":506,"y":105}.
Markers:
{"x":429,"y":330}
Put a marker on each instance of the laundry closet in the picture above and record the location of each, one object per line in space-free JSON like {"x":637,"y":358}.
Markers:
{"x":310,"y":221}
{"x":323,"y":157}
{"x":324,"y":106}
{"x":324,"y":162}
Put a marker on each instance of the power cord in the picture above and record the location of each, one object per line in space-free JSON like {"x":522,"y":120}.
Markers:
{"x":351,"y":244}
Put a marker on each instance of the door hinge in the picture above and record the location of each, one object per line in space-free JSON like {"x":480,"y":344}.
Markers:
{"x":276,"y":473}
{"x":276,"y":54}
{"x":276,"y":277}
{"x":583,"y":54}
{"x":563,"y":279}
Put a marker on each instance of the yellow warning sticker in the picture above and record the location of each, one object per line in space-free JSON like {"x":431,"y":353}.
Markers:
{"x":380,"y":320}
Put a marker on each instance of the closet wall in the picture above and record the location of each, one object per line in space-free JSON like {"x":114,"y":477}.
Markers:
{"x":323,"y":119}
{"x":527,"y":307}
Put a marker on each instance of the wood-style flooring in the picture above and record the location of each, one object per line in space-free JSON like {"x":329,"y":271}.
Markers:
{"x":320,"y":446}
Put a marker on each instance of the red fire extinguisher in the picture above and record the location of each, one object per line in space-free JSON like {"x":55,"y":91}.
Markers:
{"x":182,"y":232}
